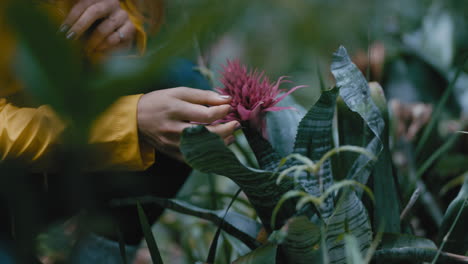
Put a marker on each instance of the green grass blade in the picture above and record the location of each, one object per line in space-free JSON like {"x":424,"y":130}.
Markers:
{"x":148,"y":233}
{"x":214,"y":243}
{"x":454,"y":228}
{"x":123,"y":253}
{"x":439,"y":152}
{"x":438,"y":111}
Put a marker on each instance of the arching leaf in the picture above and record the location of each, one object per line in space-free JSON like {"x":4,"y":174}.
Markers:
{"x":206,"y":152}
{"x":235,"y":224}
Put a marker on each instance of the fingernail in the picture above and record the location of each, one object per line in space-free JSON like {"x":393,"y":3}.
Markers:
{"x":238,"y":126}
{"x":223,"y":96}
{"x":63,"y":28}
{"x":71,"y":35}
{"x":231,"y":110}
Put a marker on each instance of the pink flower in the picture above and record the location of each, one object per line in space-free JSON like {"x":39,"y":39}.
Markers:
{"x":253,"y":95}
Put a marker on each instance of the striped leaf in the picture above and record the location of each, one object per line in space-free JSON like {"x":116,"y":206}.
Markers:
{"x":353,"y":254}
{"x":207,"y":153}
{"x":313,"y":140}
{"x":301,"y":243}
{"x":350,"y":217}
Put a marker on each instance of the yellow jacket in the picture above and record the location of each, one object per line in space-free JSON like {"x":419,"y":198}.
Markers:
{"x":29,"y":134}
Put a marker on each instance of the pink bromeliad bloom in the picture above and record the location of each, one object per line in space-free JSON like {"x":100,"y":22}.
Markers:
{"x":253,"y":95}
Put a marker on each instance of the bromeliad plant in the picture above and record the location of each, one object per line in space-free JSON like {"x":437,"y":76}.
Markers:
{"x":335,"y":212}
{"x":310,"y":203}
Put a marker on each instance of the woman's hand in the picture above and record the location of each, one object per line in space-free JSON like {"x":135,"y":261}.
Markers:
{"x":112,"y":28}
{"x":164,"y":114}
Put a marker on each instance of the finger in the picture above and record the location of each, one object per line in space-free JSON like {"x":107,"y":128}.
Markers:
{"x":75,"y":13}
{"x":224,"y":130}
{"x":203,"y":97}
{"x":106,"y":28}
{"x":121,"y":39}
{"x":91,"y":15}
{"x":200,"y":113}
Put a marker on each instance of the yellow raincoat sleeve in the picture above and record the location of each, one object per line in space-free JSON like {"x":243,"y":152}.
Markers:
{"x":30,"y":134}
{"x":27,"y":134}
{"x":115,"y":136}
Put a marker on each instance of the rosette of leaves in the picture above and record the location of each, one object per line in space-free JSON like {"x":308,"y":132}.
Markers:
{"x":340,"y":210}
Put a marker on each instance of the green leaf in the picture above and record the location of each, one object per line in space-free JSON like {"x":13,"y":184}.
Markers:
{"x":235,"y":224}
{"x":349,"y":217}
{"x":396,"y":240}
{"x":206,"y":152}
{"x":282,"y":126}
{"x":396,"y":248}
{"x":313,"y":140}
{"x":267,"y":157}
{"x":353,"y":253}
{"x":214,"y":243}
{"x":301,"y":243}
{"x":148,"y":233}
{"x":315,"y":128}
{"x":457,"y":241}
{"x":355,"y":92}
{"x":265,"y":254}
{"x":385,"y":184}
{"x":42,"y":54}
